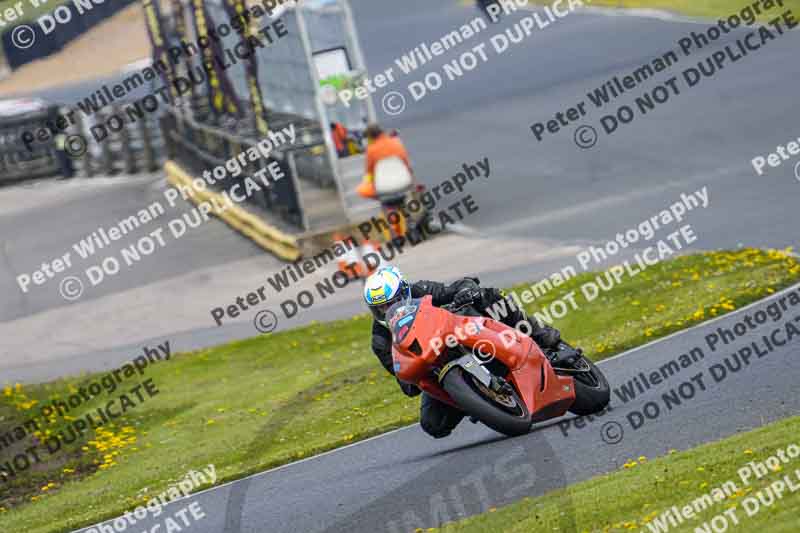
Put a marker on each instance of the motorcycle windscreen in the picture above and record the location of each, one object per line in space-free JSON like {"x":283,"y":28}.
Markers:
{"x":400,"y":317}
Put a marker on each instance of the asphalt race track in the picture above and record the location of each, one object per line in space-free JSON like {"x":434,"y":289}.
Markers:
{"x":551,"y":192}
{"x":81,"y":206}
{"x":404,"y":480}
{"x":705,"y":136}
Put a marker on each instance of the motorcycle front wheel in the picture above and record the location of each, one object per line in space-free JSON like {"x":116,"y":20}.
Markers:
{"x":504,"y":413}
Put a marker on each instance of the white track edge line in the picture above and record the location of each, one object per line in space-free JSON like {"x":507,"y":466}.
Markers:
{"x":329,"y":452}
{"x":625,"y":353}
{"x":789,"y":289}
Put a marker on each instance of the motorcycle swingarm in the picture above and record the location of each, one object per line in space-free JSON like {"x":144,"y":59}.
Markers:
{"x":468,"y":363}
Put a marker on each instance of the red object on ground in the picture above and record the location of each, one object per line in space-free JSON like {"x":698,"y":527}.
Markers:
{"x":366,"y":189}
{"x":339,"y":134}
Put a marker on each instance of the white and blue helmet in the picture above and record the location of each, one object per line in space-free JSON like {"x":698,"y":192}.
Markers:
{"x":383,"y":289}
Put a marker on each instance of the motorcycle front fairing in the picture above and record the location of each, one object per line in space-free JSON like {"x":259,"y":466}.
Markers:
{"x":413,"y":323}
{"x":420,"y":331}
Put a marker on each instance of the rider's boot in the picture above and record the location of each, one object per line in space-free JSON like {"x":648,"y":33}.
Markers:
{"x":564,"y":356}
{"x":548,"y":338}
{"x":559,"y":352}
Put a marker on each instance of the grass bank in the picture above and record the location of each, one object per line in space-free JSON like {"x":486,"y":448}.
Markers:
{"x":29,"y":11}
{"x":636,"y":497}
{"x":269,"y":400}
{"x":712,"y":9}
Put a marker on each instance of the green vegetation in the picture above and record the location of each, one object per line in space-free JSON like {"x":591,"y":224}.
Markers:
{"x":29,"y":11}
{"x":668,"y":297}
{"x":269,"y":400}
{"x":712,"y":9}
{"x":643,"y":489}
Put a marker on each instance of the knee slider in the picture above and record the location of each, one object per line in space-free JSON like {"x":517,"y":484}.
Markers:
{"x":437,"y":431}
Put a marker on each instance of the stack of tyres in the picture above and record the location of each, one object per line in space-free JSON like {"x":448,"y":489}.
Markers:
{"x":18,"y":161}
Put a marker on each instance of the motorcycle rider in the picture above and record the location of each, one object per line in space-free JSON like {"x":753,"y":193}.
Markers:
{"x":387,"y":286}
{"x":381,"y":145}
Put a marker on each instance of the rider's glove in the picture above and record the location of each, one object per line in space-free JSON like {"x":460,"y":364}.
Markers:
{"x":466,"y":297}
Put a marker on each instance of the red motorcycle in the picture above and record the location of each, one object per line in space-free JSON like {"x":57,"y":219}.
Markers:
{"x":490,"y":371}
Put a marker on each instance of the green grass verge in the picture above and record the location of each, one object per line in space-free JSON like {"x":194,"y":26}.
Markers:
{"x":29,"y":12}
{"x":666,"y":298}
{"x":712,"y":9}
{"x":269,"y":400}
{"x":634,"y":497}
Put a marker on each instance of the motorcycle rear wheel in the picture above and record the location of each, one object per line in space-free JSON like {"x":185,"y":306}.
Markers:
{"x":508,"y":416}
{"x":592,"y":392}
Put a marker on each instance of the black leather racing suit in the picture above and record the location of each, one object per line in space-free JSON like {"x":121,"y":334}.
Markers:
{"x":436,"y":418}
